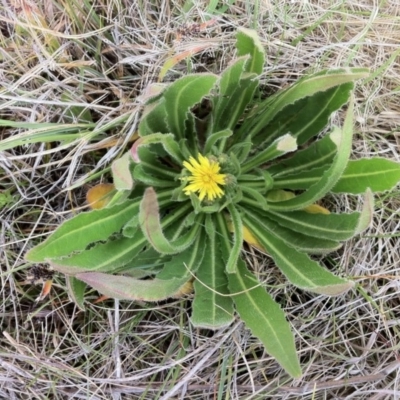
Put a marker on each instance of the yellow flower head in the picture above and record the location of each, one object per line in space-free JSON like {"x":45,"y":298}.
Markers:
{"x":205,"y":178}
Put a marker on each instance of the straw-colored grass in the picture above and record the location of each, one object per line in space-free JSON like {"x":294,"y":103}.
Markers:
{"x":85,"y":63}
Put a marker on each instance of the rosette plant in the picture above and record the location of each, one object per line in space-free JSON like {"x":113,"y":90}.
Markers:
{"x":216,"y":165}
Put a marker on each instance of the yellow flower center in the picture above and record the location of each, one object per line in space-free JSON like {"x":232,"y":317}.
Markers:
{"x":205,"y":178}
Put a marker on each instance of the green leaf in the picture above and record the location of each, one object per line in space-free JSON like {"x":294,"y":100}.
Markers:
{"x":297,"y":239}
{"x":151,"y":164}
{"x":76,"y":291}
{"x":367,"y":212}
{"x":187,"y":262}
{"x":154,"y":119}
{"x":308,"y":86}
{"x":165,"y":139}
{"x":237,"y":239}
{"x":214,"y":138}
{"x":330,"y":176}
{"x":121,"y":172}
{"x":173,"y":280}
{"x":306,"y":117}
{"x":127,"y":288}
{"x":327,"y":226}
{"x":298,"y":268}
{"x":378,"y":174}
{"x":103,"y":257}
{"x":181,"y":96}
{"x":149,"y":220}
{"x":82,"y":230}
{"x":45,"y":133}
{"x":283,"y":145}
{"x":248,"y":43}
{"x":265,"y":318}
{"x":212,"y":307}
{"x":229,"y":107}
{"x":334,"y":227}
{"x":319,"y":154}
{"x":140,"y":174}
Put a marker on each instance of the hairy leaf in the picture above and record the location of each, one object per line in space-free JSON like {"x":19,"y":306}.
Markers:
{"x":297,"y":239}
{"x":82,"y":230}
{"x":300,"y":270}
{"x":181,"y":96}
{"x":264,"y":317}
{"x":330,"y":176}
{"x":76,"y":291}
{"x":378,"y":174}
{"x":149,"y":220}
{"x":125,"y":287}
{"x":212,"y":306}
{"x":103,"y":257}
{"x":308,"y":86}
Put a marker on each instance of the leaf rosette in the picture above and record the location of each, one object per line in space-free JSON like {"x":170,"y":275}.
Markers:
{"x":214,"y":166}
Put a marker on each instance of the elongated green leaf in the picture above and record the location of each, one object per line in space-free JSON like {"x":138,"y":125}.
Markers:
{"x":264,"y":318}
{"x":154,"y":119}
{"x":249,"y":192}
{"x":231,"y":106}
{"x":150,"y":163}
{"x":300,"y":181}
{"x":330,"y":176}
{"x":237,"y":239}
{"x":319,"y":154}
{"x":248,"y":43}
{"x":149,"y":220}
{"x":295,"y":238}
{"x":212,"y":306}
{"x":305,"y":118}
{"x":224,"y":235}
{"x":187,"y":262}
{"x":125,"y":287}
{"x":76,"y":291}
{"x":214,"y":138}
{"x":181,"y":96}
{"x":141,"y":175}
{"x":378,"y":174}
{"x":122,"y":176}
{"x":283,"y":145}
{"x":165,"y":139}
{"x":299,"y":269}
{"x":228,"y":86}
{"x":241,"y":150}
{"x":174,"y":280}
{"x":82,"y":230}
{"x":103,"y":257}
{"x":305,"y":87}
{"x":331,"y":226}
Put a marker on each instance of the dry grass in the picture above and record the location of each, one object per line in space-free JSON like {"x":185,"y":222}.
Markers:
{"x":80,"y":61}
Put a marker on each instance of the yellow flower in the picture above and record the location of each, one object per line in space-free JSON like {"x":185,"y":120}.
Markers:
{"x":205,"y":178}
